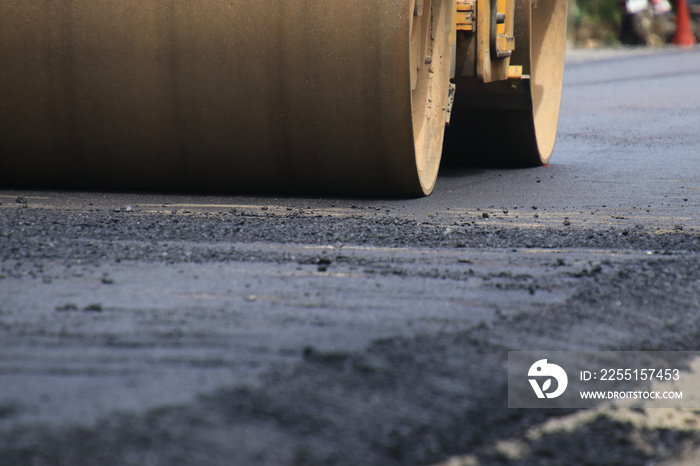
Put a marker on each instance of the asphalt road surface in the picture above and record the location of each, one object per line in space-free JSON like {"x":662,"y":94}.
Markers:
{"x":153,"y":329}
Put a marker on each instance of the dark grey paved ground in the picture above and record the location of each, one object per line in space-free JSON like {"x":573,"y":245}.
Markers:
{"x":156,"y":329}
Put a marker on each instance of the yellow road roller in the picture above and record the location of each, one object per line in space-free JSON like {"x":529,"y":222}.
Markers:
{"x":274,"y":96}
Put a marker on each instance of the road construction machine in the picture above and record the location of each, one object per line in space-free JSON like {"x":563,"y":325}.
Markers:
{"x":274,"y":96}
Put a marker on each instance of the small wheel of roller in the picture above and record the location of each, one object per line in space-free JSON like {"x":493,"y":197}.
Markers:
{"x":514,"y":122}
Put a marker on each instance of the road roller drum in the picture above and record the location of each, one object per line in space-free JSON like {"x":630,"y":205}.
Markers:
{"x":285,"y":96}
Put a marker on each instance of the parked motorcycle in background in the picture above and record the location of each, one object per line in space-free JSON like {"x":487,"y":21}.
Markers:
{"x":646,"y":22}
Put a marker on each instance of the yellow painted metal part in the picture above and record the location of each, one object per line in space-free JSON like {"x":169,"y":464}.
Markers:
{"x":515,"y":72}
{"x":505,"y":39}
{"x":465,"y":15}
{"x":505,"y":43}
{"x":493,"y":56}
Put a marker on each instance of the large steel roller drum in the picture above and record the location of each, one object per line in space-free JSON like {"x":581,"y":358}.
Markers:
{"x":264,"y":96}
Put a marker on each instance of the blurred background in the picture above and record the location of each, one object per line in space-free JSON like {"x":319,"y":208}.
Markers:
{"x":605,"y":23}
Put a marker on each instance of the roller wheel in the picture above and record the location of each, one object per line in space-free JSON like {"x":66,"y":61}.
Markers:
{"x":430,"y":56}
{"x":514,"y":122}
{"x":316,"y":96}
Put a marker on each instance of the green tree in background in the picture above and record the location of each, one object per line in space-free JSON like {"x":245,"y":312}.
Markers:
{"x":594,"y":22}
{"x":603,"y":11}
